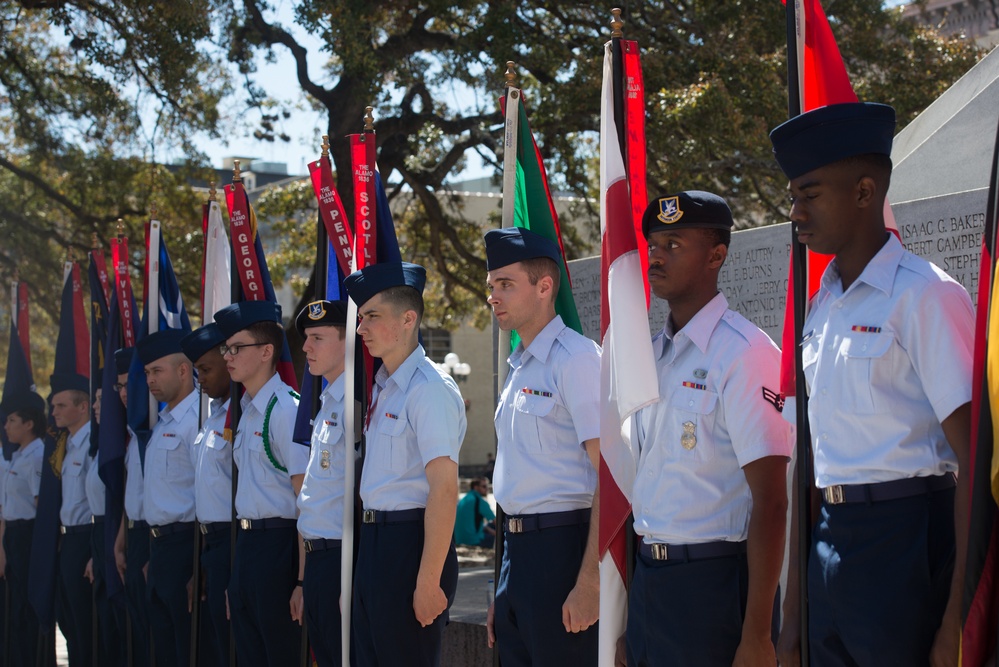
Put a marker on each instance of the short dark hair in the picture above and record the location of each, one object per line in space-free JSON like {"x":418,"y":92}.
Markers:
{"x":405,"y":298}
{"x":36,"y":417}
{"x":268,"y":332}
{"x":878,"y":165}
{"x":718,"y":236}
{"x":539,"y":267}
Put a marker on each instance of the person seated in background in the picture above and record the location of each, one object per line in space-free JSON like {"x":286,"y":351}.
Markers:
{"x":475,"y":521}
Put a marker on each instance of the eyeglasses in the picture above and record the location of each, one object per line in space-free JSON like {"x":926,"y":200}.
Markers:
{"x":118,"y":386}
{"x":234,"y":349}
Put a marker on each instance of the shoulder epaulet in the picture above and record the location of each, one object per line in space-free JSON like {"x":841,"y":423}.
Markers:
{"x":266,"y":430}
{"x":574,"y":342}
{"x":742,"y":326}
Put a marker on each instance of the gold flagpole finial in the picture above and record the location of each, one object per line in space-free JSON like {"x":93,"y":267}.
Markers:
{"x":211,"y":191}
{"x":152,"y":210}
{"x":510,"y":75}
{"x":369,"y":119}
{"x":94,"y":243}
{"x":236,"y":176}
{"x":121,"y":228}
{"x":69,"y":254}
{"x":17,"y":275}
{"x":326,"y":146}
{"x":616,"y":23}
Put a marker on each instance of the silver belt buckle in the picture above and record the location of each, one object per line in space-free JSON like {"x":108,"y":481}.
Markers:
{"x":369,"y":516}
{"x":308,"y":546}
{"x":515,"y":524}
{"x":154,"y":531}
{"x":246,"y":524}
{"x":62,"y":529}
{"x":131,"y":523}
{"x":659,"y":552}
{"x":834,"y":495}
{"x":204,"y":528}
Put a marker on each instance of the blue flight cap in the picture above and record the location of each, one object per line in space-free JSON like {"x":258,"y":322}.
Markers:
{"x":236,"y":317}
{"x":69,"y":382}
{"x":23,"y":401}
{"x":123,"y":359}
{"x":692,"y":209}
{"x":832,"y":133}
{"x":321,"y":313}
{"x":203,"y":339}
{"x":159,"y":344}
{"x":369,"y":281}
{"x":515,"y":244}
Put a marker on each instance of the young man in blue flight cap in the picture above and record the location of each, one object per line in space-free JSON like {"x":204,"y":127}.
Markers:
{"x":710,"y":498}
{"x":887,"y":357}
{"x":548,"y":453}
{"x":168,"y":493}
{"x":213,"y":485}
{"x":71,"y":411}
{"x":407,"y":568}
{"x":320,"y":504}
{"x":265,"y":586}
{"x":22,"y":475}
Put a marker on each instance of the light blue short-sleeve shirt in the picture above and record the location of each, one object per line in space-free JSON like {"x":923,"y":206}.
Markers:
{"x":22,"y":476}
{"x":320,"y":504}
{"x":213,"y":470}
{"x":549,"y":407}
{"x":263,"y":491}
{"x":719,"y":410}
{"x":168,"y":493}
{"x":133,"y":480}
{"x":95,"y":488}
{"x":75,"y":510}
{"x":417,"y":415}
{"x":886,"y":362}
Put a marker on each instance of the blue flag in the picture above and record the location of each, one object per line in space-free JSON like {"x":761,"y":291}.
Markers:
{"x":171,"y":314}
{"x":18,"y":380}
{"x":98,"y":337}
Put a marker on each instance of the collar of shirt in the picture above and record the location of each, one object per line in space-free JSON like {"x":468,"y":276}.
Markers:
{"x":541,"y":346}
{"x":404,"y":373}
{"x":79,"y":438}
{"x":879,"y":272}
{"x":263,"y":397}
{"x":178,"y":410}
{"x":217,"y":405}
{"x":698,"y":329}
{"x":333,"y":390}
{"x":30,"y":449}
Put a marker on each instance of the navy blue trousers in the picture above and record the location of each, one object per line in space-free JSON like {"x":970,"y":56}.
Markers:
{"x":171,"y":564}
{"x":136,"y":557}
{"x":322,"y":605}
{"x":76,"y":597}
{"x":386,"y":631}
{"x":263,"y":577}
{"x":22,"y":619}
{"x":878,"y":580}
{"x":110,"y":617}
{"x":689,"y":613}
{"x":538,"y":571}
{"x":215,"y":555}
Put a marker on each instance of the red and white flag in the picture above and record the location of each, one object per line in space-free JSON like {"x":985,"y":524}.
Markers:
{"x":628,"y":378}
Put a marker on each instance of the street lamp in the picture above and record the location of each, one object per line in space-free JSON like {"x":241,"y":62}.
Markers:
{"x":456,"y":368}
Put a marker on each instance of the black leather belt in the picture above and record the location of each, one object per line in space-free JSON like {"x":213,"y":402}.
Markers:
{"x":137,"y":523}
{"x":528,"y":523}
{"x":69,"y":530}
{"x":265,"y":524}
{"x":882,"y":491}
{"x":396,"y":516}
{"x":170,"y":528}
{"x":688,"y":552}
{"x":14,"y":523}
{"x":320,"y":544}
{"x":97,"y":519}
{"x":214,"y":526}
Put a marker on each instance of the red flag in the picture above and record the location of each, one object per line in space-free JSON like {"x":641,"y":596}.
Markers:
{"x":123,"y":290}
{"x":331,"y":209}
{"x":627,"y":367}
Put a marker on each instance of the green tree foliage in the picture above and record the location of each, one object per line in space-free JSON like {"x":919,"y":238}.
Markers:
{"x":90,"y":91}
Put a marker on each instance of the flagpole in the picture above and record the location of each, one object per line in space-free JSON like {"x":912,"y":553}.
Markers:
{"x":235,"y":410}
{"x":803,"y":487}
{"x":153,"y":303}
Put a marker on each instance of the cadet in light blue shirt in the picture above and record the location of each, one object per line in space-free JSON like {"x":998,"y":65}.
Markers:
{"x":168,"y":498}
{"x":71,"y":411}
{"x":21,"y":479}
{"x":320,"y":504}
{"x":407,"y":564}
{"x":213,"y":484}
{"x":548,"y":449}
{"x":265,"y":595}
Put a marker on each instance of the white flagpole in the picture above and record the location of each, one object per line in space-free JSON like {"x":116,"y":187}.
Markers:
{"x":153,"y":303}
{"x":349,"y":439}
{"x":510,"y":134}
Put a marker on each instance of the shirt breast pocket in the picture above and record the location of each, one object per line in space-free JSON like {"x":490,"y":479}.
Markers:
{"x":867,"y":365}
{"x":693,"y":420}
{"x":327,"y":439}
{"x":531,"y":410}
{"x":392,"y":443}
{"x":173,"y":461}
